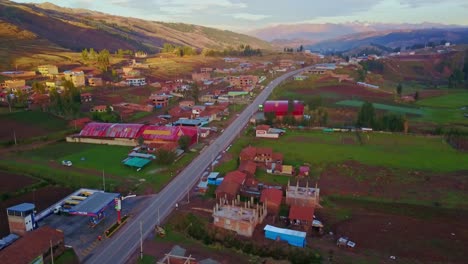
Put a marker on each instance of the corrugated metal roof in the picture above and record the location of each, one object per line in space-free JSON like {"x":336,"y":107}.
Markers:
{"x":22,"y":207}
{"x":285,"y":231}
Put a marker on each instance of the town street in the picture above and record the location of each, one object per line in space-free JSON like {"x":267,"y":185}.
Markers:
{"x":126,"y":241}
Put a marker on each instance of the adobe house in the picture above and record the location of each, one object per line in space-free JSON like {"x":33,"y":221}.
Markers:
{"x":301,"y":216}
{"x":302,"y":196}
{"x":231,"y":185}
{"x":272,"y":198}
{"x":241,"y":218}
{"x":248,"y":167}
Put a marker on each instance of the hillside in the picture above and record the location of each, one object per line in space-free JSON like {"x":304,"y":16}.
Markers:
{"x":76,"y":29}
{"x":392,"y":39}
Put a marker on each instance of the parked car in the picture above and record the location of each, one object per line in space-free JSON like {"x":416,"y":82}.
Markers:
{"x":67,"y":163}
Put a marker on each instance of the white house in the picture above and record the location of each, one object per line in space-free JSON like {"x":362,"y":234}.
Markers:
{"x":135,"y":81}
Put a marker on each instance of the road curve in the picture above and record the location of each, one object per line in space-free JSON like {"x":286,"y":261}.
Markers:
{"x":124,"y":243}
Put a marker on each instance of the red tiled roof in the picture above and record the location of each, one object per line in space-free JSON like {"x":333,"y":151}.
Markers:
{"x":303,"y":169}
{"x":228,"y":187}
{"x":264,"y":151}
{"x":303,"y":213}
{"x":86,"y":94}
{"x":272,"y":195}
{"x":277,"y":156}
{"x":235,"y":176}
{"x":31,"y":245}
{"x":248,"y":167}
{"x":248,"y":153}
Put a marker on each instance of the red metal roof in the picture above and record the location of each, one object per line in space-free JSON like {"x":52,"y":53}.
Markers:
{"x":303,"y":213}
{"x":123,"y":130}
{"x":95,"y":129}
{"x":272,"y":195}
{"x":280,"y":107}
{"x":31,"y":245}
{"x":235,"y":176}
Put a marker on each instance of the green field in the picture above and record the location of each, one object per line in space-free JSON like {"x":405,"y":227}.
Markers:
{"x":389,"y":150}
{"x":453,"y":100}
{"x":391,"y":108}
{"x":89,"y":161}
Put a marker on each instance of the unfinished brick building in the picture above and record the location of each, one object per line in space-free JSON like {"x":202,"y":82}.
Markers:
{"x":302,"y":196}
{"x":239,"y":217}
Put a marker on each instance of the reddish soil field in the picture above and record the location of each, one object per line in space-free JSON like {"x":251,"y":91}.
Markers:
{"x":347,"y":91}
{"x":340,"y":116}
{"x":354,"y":178}
{"x":13,"y":182}
{"x":42,"y":198}
{"x":427,"y":240}
{"x":22,"y":130}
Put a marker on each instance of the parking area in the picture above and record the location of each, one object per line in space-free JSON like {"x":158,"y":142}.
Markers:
{"x":83,"y":237}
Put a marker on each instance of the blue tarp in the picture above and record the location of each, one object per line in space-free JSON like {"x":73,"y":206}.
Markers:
{"x":294,"y":238}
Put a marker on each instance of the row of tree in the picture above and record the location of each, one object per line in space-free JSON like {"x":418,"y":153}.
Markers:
{"x":180,"y":51}
{"x":388,"y":122}
{"x":241,"y":50}
{"x":291,"y":50}
{"x":102,"y":58}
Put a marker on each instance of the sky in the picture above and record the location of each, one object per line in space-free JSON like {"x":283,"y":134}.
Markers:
{"x":246,"y":15}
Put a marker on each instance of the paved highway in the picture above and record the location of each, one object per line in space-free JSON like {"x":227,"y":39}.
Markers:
{"x":126,"y":241}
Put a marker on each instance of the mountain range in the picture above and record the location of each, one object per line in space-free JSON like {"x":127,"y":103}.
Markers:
{"x":76,"y":29}
{"x":332,"y":36}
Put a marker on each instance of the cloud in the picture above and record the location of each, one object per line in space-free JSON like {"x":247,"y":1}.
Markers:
{"x":249,"y":16}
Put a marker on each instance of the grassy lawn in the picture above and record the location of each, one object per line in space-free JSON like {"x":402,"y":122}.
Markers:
{"x":67,"y":257}
{"x":147,"y":259}
{"x":389,"y":150}
{"x":96,"y":158}
{"x":262,"y":176}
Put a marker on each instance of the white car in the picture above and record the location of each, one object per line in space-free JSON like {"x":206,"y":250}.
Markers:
{"x":67,"y":163}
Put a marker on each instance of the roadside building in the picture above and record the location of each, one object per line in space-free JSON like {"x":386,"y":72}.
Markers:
{"x":231,"y":185}
{"x":248,"y":167}
{"x":302,"y":196}
{"x":21,"y":218}
{"x":272,"y":198}
{"x":265,"y":131}
{"x":35,"y":247}
{"x":285,"y":63}
{"x":76,"y":77}
{"x":241,"y":218}
{"x":300,"y":77}
{"x":245,"y":82}
{"x":281,"y":108}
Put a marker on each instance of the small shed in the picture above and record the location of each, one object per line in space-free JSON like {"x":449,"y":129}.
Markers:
{"x":294,"y":238}
{"x":212,"y":178}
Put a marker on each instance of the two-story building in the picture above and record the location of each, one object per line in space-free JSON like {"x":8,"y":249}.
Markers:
{"x":76,"y":77}
{"x":136,"y":81}
{"x":159,"y":100}
{"x":48,"y":70}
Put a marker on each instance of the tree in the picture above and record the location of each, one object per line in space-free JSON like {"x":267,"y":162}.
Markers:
{"x":366,"y":116}
{"x":38,"y":87}
{"x":399,"y":89}
{"x":85,"y":55}
{"x":361,"y":75}
{"x":141,"y":140}
{"x":184,"y":142}
{"x":301,"y":48}
{"x":194,"y":93}
{"x":165,"y":157}
{"x":92,"y":54}
{"x":416,"y":96}
{"x":103,"y":60}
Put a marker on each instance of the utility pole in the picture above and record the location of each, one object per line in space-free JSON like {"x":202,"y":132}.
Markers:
{"x":159,"y":218}
{"x":188,"y":194}
{"x":51,"y":252}
{"x":141,"y":240}
{"x":103,"y":181}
